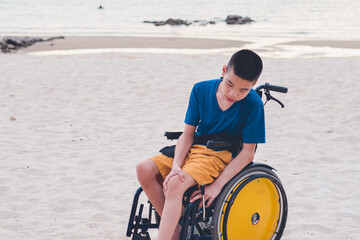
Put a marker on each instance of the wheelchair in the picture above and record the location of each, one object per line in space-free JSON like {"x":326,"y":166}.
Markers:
{"x":251,"y":206}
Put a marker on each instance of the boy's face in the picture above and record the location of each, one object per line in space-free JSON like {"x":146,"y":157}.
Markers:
{"x":234,"y":88}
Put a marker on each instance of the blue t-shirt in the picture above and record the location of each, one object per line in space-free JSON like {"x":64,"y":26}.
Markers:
{"x":244,"y":119}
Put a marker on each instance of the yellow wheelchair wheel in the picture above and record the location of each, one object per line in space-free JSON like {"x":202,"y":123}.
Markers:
{"x":252,"y":206}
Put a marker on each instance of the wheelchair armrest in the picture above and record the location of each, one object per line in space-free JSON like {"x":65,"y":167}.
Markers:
{"x":172,"y":135}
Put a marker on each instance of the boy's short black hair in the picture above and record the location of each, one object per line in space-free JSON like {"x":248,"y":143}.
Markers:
{"x":246,"y":64}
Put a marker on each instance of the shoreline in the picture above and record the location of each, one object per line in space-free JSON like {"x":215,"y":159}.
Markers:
{"x":352,"y":44}
{"x":103,"y":42}
{"x":168,"y":42}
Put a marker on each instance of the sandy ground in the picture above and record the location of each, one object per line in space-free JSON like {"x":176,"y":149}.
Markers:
{"x":74,"y":128}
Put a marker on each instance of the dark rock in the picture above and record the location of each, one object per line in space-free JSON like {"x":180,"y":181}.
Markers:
{"x":170,"y":21}
{"x":174,"y":22}
{"x":54,"y":38}
{"x":231,"y":19}
{"x":160,"y":23}
{"x":204,"y":22}
{"x":8,"y":44}
{"x":19,"y":42}
{"x":236,"y":19}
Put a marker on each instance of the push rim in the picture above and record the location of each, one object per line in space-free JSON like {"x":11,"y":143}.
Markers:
{"x":261,"y":199}
{"x":253,"y":210}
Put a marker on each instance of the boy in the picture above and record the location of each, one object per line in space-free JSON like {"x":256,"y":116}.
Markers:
{"x":228,"y":106}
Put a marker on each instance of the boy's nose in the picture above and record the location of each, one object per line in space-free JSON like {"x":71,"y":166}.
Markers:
{"x":233,"y":94}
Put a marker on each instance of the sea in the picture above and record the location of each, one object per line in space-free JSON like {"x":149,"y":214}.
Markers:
{"x":274,"y":20}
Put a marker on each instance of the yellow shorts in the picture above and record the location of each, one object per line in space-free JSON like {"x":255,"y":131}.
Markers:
{"x":201,"y":163}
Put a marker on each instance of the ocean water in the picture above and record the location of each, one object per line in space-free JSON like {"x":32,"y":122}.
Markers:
{"x":274,"y":19}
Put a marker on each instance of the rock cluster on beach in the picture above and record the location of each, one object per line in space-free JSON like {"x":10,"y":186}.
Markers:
{"x":8,"y":44}
{"x":230,"y":19}
{"x":170,"y":21}
{"x":235,"y":19}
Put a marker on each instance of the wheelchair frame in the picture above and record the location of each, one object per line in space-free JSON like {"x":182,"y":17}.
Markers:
{"x":226,"y":205}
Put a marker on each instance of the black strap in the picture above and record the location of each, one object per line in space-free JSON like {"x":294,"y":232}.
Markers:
{"x":233,"y":144}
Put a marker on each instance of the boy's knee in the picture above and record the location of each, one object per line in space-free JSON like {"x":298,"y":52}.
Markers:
{"x":146,"y":170}
{"x":174,"y":187}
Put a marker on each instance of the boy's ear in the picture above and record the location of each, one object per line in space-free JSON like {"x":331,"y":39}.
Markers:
{"x":223,"y":71}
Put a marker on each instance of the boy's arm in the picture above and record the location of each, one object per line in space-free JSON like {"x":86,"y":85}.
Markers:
{"x":182,"y":148}
{"x":245,"y":156}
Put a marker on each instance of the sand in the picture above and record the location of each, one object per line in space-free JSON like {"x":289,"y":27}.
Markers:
{"x":74,"y":128}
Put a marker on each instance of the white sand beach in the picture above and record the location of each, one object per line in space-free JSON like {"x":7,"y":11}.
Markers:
{"x":73,"y":128}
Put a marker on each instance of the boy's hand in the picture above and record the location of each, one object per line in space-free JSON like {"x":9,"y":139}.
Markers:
{"x":175,"y":170}
{"x":211,"y":192}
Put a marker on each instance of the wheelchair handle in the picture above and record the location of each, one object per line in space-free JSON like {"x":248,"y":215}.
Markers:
{"x":270,"y":87}
{"x":267,"y":88}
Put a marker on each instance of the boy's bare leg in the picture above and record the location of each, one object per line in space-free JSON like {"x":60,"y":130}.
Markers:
{"x":176,"y":233}
{"x":147,"y":174}
{"x":173,"y":207}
